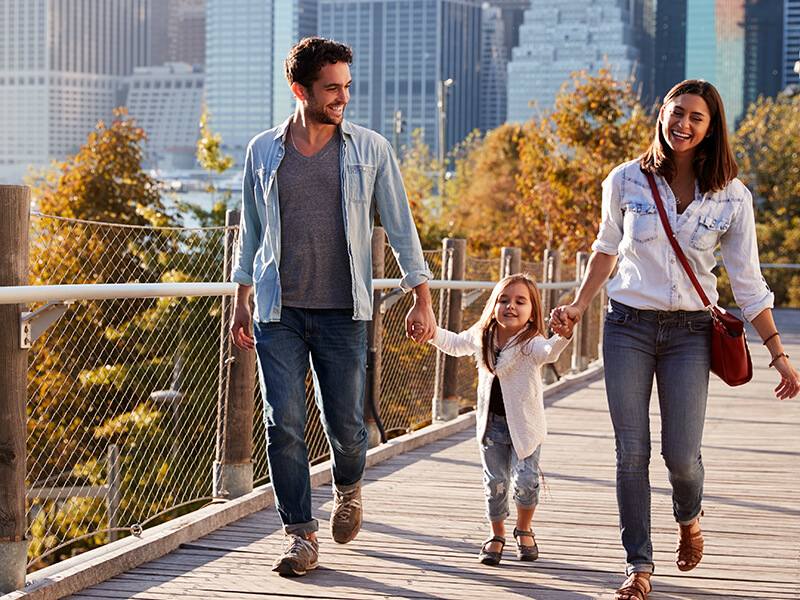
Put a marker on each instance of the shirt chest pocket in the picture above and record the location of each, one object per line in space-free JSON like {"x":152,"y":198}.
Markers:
{"x":641,"y":221}
{"x":361,"y":183}
{"x":265,"y":181}
{"x":708,"y":231}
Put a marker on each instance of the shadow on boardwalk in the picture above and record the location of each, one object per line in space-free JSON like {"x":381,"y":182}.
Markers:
{"x":424,"y":517}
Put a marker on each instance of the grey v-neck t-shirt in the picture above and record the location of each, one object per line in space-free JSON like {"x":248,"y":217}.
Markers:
{"x":314,"y":264}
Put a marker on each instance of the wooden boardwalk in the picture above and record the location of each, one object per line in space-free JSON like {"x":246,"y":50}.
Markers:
{"x":424,"y":518}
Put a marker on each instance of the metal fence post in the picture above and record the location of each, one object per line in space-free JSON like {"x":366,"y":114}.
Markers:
{"x":580,"y":341}
{"x":510,"y":261}
{"x":552,"y":274}
{"x":445,"y":396}
{"x":114,"y":494}
{"x":233,"y":467}
{"x":15,"y":206}
{"x":372,"y":390}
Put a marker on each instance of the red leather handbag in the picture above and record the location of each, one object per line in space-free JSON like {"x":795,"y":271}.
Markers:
{"x":730,"y":356}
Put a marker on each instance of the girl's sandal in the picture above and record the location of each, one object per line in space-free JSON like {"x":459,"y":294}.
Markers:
{"x":636,"y":587}
{"x":690,"y":547}
{"x":491,"y":558}
{"x":526,"y":553}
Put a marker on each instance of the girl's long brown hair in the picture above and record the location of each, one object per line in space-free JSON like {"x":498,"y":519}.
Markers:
{"x":488,"y":323}
{"x":714,"y":163}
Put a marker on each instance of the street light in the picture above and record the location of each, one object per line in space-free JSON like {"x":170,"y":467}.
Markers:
{"x":444,"y":87}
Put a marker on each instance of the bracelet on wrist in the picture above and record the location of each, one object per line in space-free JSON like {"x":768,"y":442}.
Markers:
{"x":770,"y":337}
{"x":776,"y":357}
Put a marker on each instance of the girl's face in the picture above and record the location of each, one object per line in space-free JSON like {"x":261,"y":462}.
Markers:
{"x":513,"y":308}
{"x":685,"y":122}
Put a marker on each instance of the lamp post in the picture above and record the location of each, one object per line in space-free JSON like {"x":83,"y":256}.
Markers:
{"x":444,"y":86}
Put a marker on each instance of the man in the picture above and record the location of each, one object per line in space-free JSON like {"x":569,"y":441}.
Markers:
{"x":309,"y":191}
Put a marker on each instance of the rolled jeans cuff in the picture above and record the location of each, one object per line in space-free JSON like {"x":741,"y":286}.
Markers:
{"x":306,"y":528}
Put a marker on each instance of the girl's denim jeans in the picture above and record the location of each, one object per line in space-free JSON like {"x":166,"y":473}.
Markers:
{"x":502,"y":468}
{"x":336,"y":345}
{"x":673,"y":346}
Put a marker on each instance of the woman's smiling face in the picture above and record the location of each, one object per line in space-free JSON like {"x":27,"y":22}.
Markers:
{"x":685,"y":122}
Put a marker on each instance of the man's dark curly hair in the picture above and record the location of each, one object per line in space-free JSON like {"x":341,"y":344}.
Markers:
{"x":309,"y":55}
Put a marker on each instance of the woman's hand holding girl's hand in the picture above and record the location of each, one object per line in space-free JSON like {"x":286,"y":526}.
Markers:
{"x":790,"y":380}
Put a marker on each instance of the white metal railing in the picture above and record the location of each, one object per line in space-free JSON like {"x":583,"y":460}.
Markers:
{"x":114,"y":291}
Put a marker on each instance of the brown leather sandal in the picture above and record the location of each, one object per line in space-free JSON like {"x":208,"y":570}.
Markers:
{"x":690,"y":547}
{"x":636,"y":586}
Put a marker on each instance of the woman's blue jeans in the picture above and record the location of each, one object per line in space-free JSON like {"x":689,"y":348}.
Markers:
{"x":674,"y":347}
{"x":337,"y":348}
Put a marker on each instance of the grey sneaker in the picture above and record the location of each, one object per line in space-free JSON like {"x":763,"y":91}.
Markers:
{"x":346,"y":515}
{"x":301,"y":554}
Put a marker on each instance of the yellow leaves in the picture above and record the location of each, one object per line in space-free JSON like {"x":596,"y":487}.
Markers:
{"x":139,"y":419}
{"x":565,"y":155}
{"x":209,"y":152}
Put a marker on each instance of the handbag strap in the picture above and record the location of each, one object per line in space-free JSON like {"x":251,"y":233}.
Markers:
{"x":671,"y":237}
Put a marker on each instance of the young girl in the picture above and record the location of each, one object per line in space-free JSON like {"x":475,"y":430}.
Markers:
{"x":509,"y":345}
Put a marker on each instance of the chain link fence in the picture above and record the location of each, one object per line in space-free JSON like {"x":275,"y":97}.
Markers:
{"x":122,"y":394}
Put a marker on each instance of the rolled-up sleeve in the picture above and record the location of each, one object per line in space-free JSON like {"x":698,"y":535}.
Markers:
{"x":740,"y":257}
{"x":397,"y":220}
{"x":250,"y":227}
{"x":609,"y":235}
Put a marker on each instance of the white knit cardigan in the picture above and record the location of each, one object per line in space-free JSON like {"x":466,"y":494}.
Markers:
{"x":519,"y":370}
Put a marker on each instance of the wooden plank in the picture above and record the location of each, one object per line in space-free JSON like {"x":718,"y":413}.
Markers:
{"x":424,"y":519}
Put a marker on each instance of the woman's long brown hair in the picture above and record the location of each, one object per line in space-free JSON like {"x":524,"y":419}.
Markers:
{"x":714,"y":163}
{"x":488,"y":323}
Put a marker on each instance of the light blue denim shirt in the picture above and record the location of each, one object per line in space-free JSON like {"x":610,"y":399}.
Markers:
{"x":649,"y":274}
{"x":370,"y":178}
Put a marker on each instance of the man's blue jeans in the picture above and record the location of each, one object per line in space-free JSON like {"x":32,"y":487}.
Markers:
{"x":674,"y":347}
{"x":337,"y":348}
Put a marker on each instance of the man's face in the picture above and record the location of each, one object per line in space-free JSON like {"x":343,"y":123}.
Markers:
{"x":329,"y":94}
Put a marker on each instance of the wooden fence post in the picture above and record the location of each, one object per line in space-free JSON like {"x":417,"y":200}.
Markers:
{"x":372,"y":390}
{"x":510,"y":261}
{"x":15,"y":202}
{"x":233,"y":467}
{"x":445,"y":395}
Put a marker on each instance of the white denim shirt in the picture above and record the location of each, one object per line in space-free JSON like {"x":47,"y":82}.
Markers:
{"x":649,"y":275}
{"x":370,"y":179}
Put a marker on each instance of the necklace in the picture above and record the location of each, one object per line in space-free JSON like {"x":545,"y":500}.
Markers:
{"x":683,"y":195}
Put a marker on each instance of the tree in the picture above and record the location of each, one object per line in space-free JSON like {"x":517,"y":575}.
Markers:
{"x":211,"y":158}
{"x":480,"y":198}
{"x":77,"y":409}
{"x":420,"y":170}
{"x":767,"y":147}
{"x":767,"y":151}
{"x":566,"y":153}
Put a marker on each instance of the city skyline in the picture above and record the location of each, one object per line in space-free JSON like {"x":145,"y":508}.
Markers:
{"x":65,"y":64}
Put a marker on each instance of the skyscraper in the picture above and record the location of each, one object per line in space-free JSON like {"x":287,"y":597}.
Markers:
{"x":736,"y":46}
{"x":791,"y":42}
{"x":669,"y":56}
{"x":246,"y":44}
{"x":560,"y":37}
{"x":167,"y":101}
{"x":501,"y":20}
{"x":187,"y":32}
{"x":405,"y":52}
{"x":62,"y":67}
{"x":494,"y":61}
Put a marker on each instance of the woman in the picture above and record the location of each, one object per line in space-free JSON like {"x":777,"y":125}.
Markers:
{"x":656,"y":324}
